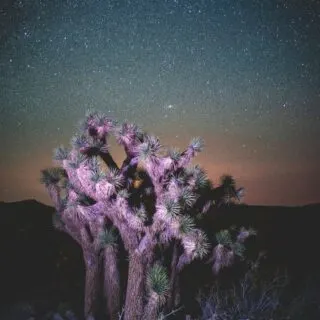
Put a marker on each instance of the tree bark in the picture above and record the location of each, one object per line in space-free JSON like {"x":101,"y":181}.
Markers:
{"x":135,"y":287}
{"x":151,"y":309}
{"x":91,"y":285}
{"x":111,"y":285}
{"x":173,"y":285}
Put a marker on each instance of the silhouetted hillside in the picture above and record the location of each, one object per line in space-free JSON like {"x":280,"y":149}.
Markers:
{"x":39,"y":262}
{"x":289,"y":235}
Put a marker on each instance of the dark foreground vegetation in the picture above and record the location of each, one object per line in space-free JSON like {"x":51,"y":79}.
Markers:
{"x":42,"y":270}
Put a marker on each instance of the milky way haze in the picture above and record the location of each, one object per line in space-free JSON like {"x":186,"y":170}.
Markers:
{"x":244,"y":75}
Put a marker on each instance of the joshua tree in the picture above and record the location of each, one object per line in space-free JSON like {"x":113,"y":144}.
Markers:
{"x":97,"y":200}
{"x":226,"y":192}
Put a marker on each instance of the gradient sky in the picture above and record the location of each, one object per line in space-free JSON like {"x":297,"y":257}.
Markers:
{"x":244,"y":75}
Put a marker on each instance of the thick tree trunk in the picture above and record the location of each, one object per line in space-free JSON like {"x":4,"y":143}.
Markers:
{"x":135,"y":287}
{"x":173,"y":285}
{"x":111,"y":286}
{"x":151,"y":309}
{"x":91,"y":285}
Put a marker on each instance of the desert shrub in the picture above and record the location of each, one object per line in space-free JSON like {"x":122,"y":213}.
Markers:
{"x":260,"y":296}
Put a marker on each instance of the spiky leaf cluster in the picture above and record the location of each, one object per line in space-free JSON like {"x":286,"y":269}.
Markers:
{"x":97,"y":172}
{"x":172,"y":208}
{"x":233,"y":244}
{"x":99,"y":146}
{"x":51,"y":176}
{"x":224,"y":237}
{"x":197,"y":144}
{"x":227,"y":181}
{"x":201,"y":179}
{"x":97,"y":176}
{"x":202,"y":245}
{"x":80,"y":141}
{"x":245,"y":233}
{"x":85,"y":142}
{"x":174,"y":154}
{"x":180,"y":178}
{"x":128,"y":132}
{"x":95,"y":119}
{"x":113,"y":177}
{"x":149,"y":148}
{"x":197,"y":176}
{"x":78,"y":160}
{"x":188,"y":198}
{"x":238,"y":249}
{"x":157,"y":280}
{"x":108,"y":237}
{"x":61,"y":153}
{"x":187,"y":224}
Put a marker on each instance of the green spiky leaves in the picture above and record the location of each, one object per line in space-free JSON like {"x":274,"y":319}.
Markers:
{"x":96,"y":119}
{"x":97,"y":173}
{"x":79,"y":141}
{"x":234,"y":242}
{"x":113,"y":177}
{"x":174,"y":154}
{"x":187,"y":224}
{"x":197,"y":176}
{"x":224,"y":237}
{"x":51,"y":176}
{"x":188,"y":197}
{"x":84,"y":143}
{"x":172,"y":208}
{"x":99,"y":145}
{"x":157,"y":280}
{"x":108,"y":238}
{"x":245,"y":233}
{"x":197,"y":144}
{"x":227,"y":181}
{"x":202,"y":245}
{"x":179,"y":178}
{"x":201,"y":179}
{"x":61,"y":153}
{"x":128,"y":133}
{"x":79,"y":159}
{"x":149,"y":148}
{"x":195,"y":244}
{"x":238,"y":249}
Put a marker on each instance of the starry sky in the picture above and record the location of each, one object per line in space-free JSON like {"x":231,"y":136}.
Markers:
{"x":243,"y":75}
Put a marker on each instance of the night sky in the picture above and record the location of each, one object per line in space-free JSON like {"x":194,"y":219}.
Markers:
{"x":244,"y":75}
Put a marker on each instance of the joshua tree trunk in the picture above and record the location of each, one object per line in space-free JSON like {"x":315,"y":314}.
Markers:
{"x":152,"y":307}
{"x":135,"y":287}
{"x":91,"y":285}
{"x":112,"y":289}
{"x":173,"y":277}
